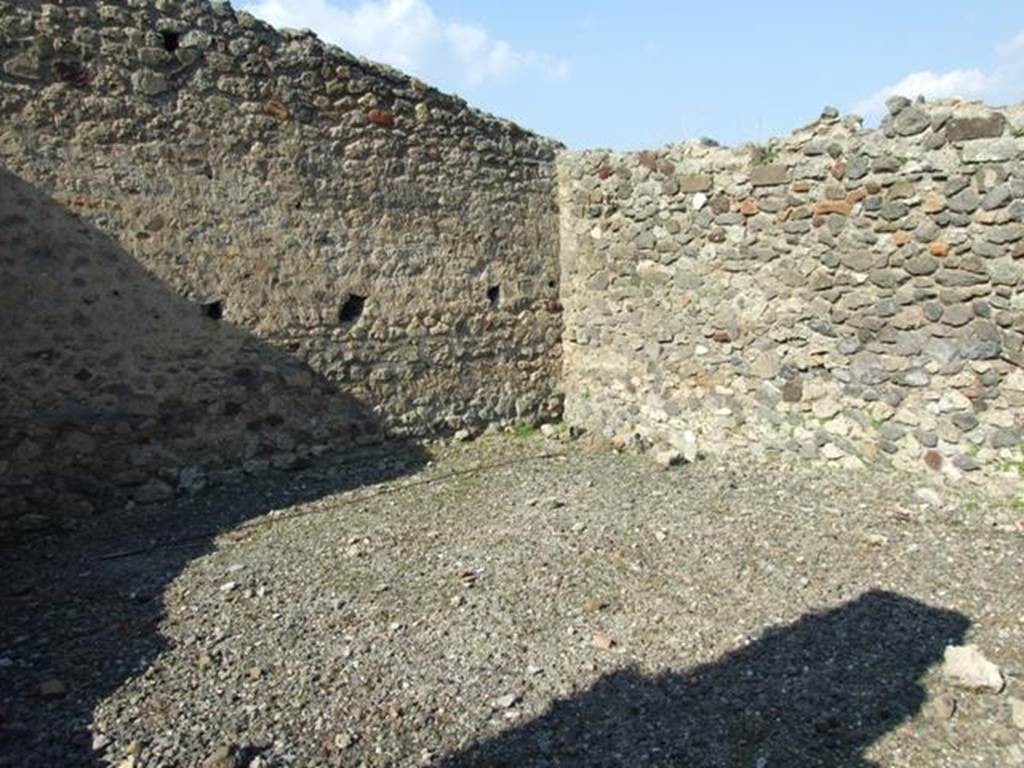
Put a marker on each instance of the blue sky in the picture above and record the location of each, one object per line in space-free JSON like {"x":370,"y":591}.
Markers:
{"x":629,"y":75}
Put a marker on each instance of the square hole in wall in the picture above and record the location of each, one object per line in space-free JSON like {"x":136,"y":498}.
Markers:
{"x":171,"y":41}
{"x":213,"y":309}
{"x":350,"y":312}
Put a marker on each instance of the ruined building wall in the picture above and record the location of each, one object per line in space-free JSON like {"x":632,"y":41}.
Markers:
{"x":843,"y":295}
{"x":224,"y":247}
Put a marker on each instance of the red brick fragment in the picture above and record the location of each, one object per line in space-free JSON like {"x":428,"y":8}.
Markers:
{"x":277,"y":110}
{"x":648,"y":160}
{"x":382,"y":118}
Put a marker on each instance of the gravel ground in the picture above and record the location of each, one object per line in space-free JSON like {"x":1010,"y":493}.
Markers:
{"x":519,"y":601}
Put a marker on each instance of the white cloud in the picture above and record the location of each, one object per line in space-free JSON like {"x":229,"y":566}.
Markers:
{"x":1013,"y":48}
{"x":408,"y":34}
{"x":1001,"y":84}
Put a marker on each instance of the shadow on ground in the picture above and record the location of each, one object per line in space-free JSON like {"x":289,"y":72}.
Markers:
{"x":818,"y":692}
{"x":113,"y":388}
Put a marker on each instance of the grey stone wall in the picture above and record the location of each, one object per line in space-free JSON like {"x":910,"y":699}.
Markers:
{"x":224,"y":247}
{"x":842,"y":295}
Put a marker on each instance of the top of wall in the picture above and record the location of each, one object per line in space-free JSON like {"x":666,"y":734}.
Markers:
{"x":911,"y":127}
{"x":207,"y":46}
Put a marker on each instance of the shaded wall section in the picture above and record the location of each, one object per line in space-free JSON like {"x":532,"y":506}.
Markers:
{"x":115,"y":387}
{"x":245,"y":189}
{"x":843,"y":295}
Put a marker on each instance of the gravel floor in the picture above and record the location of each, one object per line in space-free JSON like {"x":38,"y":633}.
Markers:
{"x":519,"y":601}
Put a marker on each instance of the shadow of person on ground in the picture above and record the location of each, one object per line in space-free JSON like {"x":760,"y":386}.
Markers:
{"x":817,"y":692}
{"x":116,"y":393}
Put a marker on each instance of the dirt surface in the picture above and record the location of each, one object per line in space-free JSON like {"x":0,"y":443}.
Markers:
{"x":519,"y":601}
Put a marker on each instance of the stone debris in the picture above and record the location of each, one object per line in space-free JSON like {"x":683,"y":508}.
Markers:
{"x":32,"y":522}
{"x":344,"y":740}
{"x":875,"y":539}
{"x":965,"y":667}
{"x":100,"y":742}
{"x":506,"y":702}
{"x":668,"y":458}
{"x":1016,"y":712}
{"x":222,"y":757}
{"x":153,"y":491}
{"x":52,"y":689}
{"x":941,"y":708}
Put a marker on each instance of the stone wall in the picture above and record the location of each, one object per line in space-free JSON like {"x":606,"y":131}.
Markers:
{"x":224,"y":247}
{"x":844,"y":295}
